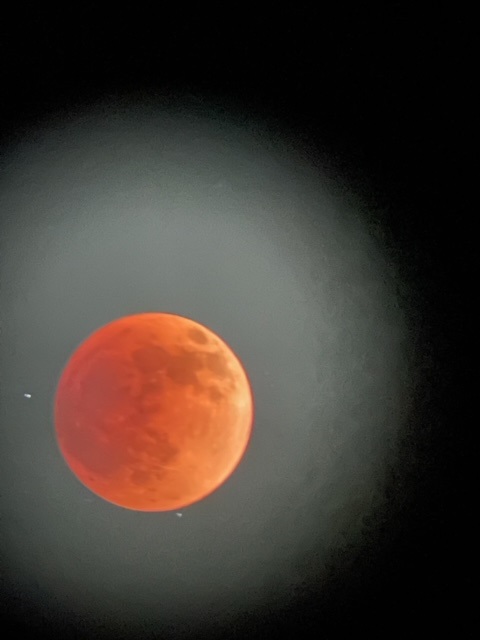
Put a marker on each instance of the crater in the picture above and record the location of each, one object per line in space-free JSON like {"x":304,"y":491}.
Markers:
{"x":140,"y":477}
{"x":94,"y":456}
{"x":150,"y":358}
{"x":215,"y":394}
{"x":183,"y":368}
{"x":163,"y":450}
{"x":217,"y":364}
{"x":198,"y":336}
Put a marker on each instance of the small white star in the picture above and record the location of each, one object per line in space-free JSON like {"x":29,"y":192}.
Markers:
{"x":27,"y":395}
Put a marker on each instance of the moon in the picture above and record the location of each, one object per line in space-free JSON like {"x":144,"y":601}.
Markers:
{"x":153,"y":412}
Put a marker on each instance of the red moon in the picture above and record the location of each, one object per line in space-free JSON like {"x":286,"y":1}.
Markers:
{"x":153,"y":412}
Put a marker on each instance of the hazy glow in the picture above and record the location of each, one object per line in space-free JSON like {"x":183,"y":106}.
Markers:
{"x":118,"y":212}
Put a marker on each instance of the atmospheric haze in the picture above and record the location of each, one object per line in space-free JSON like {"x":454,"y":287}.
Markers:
{"x":184,"y":208}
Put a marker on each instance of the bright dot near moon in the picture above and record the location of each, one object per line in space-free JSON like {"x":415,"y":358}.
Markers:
{"x":153,"y":412}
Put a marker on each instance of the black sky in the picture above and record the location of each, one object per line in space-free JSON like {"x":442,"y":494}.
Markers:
{"x":376,"y":94}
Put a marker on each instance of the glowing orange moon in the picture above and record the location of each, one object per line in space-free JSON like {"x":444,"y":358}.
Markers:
{"x":153,"y":412}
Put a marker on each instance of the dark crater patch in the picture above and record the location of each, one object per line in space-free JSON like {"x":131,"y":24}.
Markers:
{"x":163,"y":450}
{"x":183,"y":367}
{"x":152,"y":433}
{"x":153,"y":388}
{"x":215,"y":394}
{"x":198,"y":336}
{"x":217,"y":364}
{"x":102,"y":385}
{"x":98,"y":458}
{"x":140,"y":477}
{"x":150,"y":358}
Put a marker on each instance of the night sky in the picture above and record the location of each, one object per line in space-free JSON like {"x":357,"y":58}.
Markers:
{"x":291,"y":179}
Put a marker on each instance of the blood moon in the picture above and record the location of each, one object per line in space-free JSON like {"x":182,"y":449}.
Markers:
{"x":153,"y":412}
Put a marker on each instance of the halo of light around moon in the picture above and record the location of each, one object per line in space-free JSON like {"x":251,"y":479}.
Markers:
{"x":153,"y":412}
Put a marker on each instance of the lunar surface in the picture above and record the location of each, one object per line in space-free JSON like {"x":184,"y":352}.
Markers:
{"x":153,"y":412}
